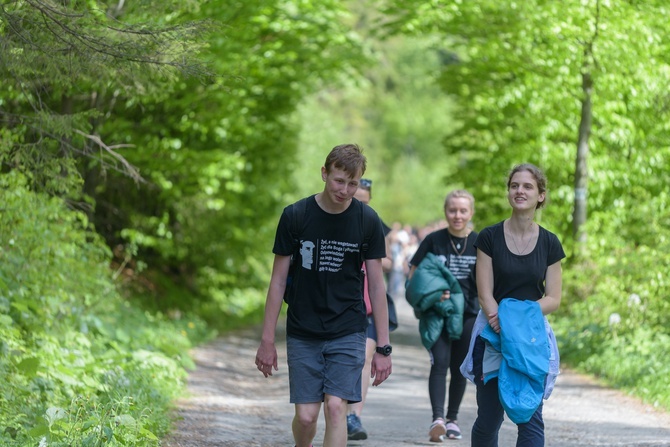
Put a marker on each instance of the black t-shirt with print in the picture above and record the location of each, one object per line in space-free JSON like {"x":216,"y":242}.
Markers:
{"x":327,"y":298}
{"x":461,"y":266}
{"x":519,"y":276}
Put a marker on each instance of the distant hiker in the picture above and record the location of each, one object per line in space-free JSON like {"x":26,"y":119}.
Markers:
{"x":355,"y":430}
{"x":326,"y":318}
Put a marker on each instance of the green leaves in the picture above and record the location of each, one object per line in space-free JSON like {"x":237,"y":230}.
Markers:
{"x":529,"y":80}
{"x":65,"y":331}
{"x":518,"y":81}
{"x":65,"y":66}
{"x":28,"y":366}
{"x":217,"y":156}
{"x":54,"y":414}
{"x":193,"y":97}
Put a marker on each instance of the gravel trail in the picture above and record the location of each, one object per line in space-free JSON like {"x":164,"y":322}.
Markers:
{"x":229,"y":403}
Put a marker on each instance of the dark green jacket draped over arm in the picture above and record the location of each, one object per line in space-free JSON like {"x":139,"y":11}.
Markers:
{"x":424,"y":293}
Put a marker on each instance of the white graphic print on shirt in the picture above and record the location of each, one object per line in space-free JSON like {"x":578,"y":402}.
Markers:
{"x":329,"y":254}
{"x":307,"y":254}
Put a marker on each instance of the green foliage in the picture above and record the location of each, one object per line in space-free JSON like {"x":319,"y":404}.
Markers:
{"x":217,"y":157}
{"x":60,"y":62}
{"x":613,"y":321}
{"x":80,"y":366}
{"x":518,"y":73}
{"x":396,"y":112}
{"x":98,"y":95}
{"x":517,"y":83}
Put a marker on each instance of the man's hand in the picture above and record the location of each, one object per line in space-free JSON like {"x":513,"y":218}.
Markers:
{"x":266,"y":358}
{"x":381,"y":368}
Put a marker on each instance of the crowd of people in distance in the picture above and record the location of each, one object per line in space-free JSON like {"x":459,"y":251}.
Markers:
{"x":403,"y":241}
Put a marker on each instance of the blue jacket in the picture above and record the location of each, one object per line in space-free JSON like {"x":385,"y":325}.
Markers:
{"x":467,"y":367}
{"x":424,"y":293}
{"x":524,"y":365}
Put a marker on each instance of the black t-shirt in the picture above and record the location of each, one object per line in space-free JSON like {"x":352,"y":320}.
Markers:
{"x":461,"y":266}
{"x":326,"y":300}
{"x":519,"y":276}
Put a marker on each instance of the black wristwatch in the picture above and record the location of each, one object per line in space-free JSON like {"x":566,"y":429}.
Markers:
{"x":384,"y":350}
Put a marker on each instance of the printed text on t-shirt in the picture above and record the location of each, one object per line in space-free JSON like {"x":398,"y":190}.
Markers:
{"x":331,"y":254}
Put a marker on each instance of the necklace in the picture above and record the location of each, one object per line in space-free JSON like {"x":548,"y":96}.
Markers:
{"x":457,"y":246}
{"x":523,"y":233}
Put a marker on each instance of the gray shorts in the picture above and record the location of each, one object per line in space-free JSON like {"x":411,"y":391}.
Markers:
{"x":320,"y":367}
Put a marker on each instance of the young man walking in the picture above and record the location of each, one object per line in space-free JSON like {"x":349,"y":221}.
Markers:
{"x":326,"y":317}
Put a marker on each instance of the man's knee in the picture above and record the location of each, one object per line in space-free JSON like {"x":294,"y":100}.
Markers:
{"x":335,"y":407}
{"x":307,"y":415}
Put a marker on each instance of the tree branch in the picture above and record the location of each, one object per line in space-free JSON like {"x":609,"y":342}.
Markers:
{"x":132,"y":171}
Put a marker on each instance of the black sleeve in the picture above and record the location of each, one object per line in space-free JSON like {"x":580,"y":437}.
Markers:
{"x":484,"y":241}
{"x":283,"y":239}
{"x":556,"y":252}
{"x":374,"y":234}
{"x":425,"y":247}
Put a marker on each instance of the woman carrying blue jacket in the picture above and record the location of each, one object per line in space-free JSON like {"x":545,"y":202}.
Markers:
{"x":515,"y":258}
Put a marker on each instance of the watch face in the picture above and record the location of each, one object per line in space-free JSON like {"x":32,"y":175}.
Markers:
{"x":385,"y":350}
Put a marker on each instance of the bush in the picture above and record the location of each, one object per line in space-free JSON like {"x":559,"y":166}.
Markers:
{"x":79,"y":366}
{"x":613,"y":320}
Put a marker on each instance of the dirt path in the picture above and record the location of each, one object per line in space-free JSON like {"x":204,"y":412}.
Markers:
{"x":231,"y":404}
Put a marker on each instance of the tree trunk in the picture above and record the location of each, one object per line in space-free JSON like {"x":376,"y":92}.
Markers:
{"x":581,"y":170}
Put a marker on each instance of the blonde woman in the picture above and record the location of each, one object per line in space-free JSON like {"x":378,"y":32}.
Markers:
{"x":454,"y":246}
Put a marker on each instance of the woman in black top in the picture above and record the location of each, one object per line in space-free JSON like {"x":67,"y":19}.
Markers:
{"x":454,"y":245}
{"x":516,"y":258}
